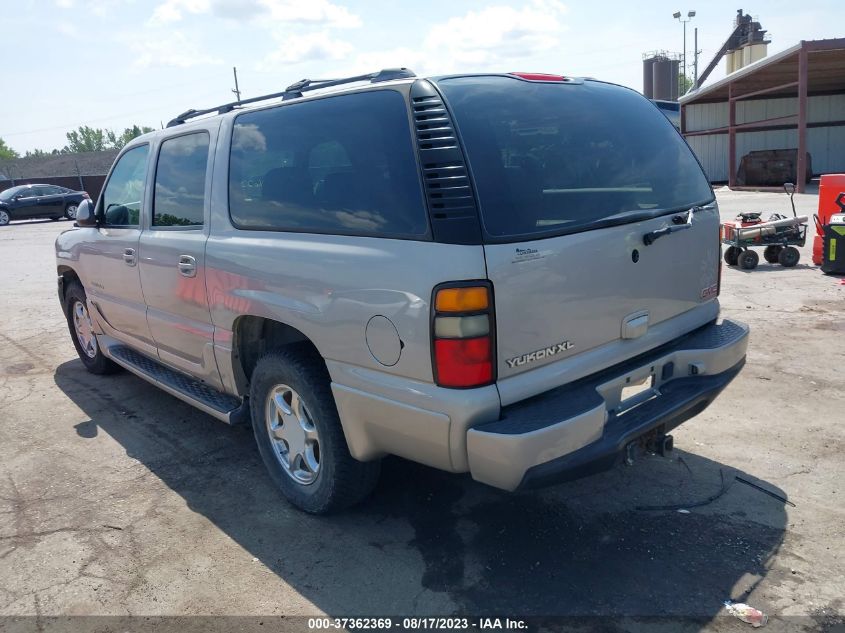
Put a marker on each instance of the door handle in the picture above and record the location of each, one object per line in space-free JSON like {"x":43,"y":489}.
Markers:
{"x":187,"y":266}
{"x":129,"y":256}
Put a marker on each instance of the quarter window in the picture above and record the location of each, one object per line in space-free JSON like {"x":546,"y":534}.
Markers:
{"x":122,"y":197}
{"x":342,"y":165}
{"x":180,"y":181}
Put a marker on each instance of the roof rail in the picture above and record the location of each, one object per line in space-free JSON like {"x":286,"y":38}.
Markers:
{"x":295,"y":91}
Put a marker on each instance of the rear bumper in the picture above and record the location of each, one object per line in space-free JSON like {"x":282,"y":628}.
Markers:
{"x":583,"y":428}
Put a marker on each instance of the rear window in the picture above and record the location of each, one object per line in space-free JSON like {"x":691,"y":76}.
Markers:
{"x":342,"y":165}
{"x":557,"y":158}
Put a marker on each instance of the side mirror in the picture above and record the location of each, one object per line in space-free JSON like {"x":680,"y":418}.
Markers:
{"x":789,"y":188}
{"x":85,"y":214}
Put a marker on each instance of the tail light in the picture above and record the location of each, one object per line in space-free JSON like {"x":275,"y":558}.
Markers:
{"x":463,"y":335}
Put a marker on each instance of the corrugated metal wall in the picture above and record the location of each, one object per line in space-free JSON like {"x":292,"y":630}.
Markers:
{"x":825,"y":144}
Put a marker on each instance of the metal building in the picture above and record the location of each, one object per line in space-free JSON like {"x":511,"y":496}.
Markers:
{"x":792,"y":100}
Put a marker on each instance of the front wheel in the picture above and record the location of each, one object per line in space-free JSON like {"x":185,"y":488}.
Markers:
{"x":299,"y":434}
{"x":789,"y":257}
{"x":748,"y":260}
{"x":82,"y":332}
{"x":4,"y":217}
{"x":70,"y":211}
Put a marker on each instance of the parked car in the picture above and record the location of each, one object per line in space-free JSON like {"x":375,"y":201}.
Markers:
{"x":511,"y":275}
{"x":39,"y":201}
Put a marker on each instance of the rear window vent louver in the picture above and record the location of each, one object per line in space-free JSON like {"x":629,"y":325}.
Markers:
{"x":451,"y":202}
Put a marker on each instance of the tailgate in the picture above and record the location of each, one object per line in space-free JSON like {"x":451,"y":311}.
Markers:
{"x":559,"y":297}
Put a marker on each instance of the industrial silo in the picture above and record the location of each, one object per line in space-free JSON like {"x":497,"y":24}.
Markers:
{"x":662,"y":79}
{"x":648,"y":78}
{"x":675,"y":66}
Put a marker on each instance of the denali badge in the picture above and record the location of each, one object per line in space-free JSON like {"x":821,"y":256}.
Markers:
{"x":539,"y":354}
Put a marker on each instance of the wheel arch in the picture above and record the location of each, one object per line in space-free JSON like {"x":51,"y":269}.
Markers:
{"x":253,"y":336}
{"x":67,"y":275}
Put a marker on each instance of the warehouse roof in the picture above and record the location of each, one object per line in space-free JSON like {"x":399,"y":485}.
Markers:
{"x":825,"y":72}
{"x":50,"y":166}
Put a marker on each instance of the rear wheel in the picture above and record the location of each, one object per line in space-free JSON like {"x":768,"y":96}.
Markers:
{"x":771,"y":253}
{"x":70,"y":211}
{"x":731,"y":255}
{"x":789,"y":257}
{"x":299,"y":434}
{"x":748,"y":260}
{"x":82,"y":332}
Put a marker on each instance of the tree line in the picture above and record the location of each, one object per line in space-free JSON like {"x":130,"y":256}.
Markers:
{"x":83,"y":139}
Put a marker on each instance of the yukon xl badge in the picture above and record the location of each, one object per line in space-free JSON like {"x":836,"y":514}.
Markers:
{"x":540,"y":354}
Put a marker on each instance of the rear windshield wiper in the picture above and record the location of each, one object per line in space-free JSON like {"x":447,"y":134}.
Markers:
{"x":679,"y":223}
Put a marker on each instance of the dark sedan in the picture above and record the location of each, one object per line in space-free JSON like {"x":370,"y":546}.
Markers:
{"x":39,"y":201}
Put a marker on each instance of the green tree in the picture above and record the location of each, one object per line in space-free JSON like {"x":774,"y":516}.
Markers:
{"x":37,"y":153}
{"x":684,"y":84}
{"x":86,"y":139}
{"x":117,"y":141}
{"x":6,"y":152}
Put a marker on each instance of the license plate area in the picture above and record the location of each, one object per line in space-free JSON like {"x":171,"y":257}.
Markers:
{"x":635,"y":392}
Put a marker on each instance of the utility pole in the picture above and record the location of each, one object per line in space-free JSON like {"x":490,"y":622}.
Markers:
{"x":236,"y":90}
{"x":690,"y":16}
{"x":695,"y":57}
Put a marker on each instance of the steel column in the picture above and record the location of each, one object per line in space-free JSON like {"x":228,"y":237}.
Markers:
{"x":731,"y":136}
{"x":801,"y":162}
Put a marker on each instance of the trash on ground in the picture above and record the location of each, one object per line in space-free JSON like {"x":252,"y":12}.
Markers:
{"x":752,"y":616}
{"x":726,"y":483}
{"x":764,"y":491}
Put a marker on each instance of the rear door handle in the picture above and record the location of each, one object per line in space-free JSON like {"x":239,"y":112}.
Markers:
{"x":129,"y":256}
{"x":187,"y":266}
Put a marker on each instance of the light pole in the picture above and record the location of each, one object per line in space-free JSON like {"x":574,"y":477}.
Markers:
{"x":690,"y":16}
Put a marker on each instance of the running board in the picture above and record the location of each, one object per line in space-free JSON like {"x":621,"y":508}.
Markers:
{"x":229,"y":409}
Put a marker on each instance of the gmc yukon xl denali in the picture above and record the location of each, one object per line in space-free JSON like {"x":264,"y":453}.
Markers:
{"x":511,"y":275}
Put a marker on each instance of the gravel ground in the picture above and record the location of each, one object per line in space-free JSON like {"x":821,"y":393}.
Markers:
{"x":117,"y":499}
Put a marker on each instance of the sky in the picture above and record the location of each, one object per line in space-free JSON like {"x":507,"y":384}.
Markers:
{"x":115,"y":63}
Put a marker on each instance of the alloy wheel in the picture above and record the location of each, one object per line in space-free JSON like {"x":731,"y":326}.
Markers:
{"x":84,"y":329}
{"x":293,"y":434}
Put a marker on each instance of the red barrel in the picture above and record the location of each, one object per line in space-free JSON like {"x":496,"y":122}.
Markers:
{"x":830,"y":186}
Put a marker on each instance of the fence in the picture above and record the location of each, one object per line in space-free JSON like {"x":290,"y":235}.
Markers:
{"x":91,"y":184}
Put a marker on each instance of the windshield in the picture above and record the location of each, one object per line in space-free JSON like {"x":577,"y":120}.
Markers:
{"x":8,"y":193}
{"x":556,"y":158}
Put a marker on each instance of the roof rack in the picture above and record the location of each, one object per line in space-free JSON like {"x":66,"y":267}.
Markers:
{"x":295,"y":91}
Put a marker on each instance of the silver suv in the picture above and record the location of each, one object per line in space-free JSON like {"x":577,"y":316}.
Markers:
{"x":511,"y":275}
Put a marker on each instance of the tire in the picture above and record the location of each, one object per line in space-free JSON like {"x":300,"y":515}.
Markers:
{"x":70,"y":211}
{"x":324,"y":477}
{"x":731,"y":255}
{"x":789,"y":257}
{"x":88,"y":348}
{"x":748,"y":260}
{"x":771,"y":253}
{"x":5,"y":218}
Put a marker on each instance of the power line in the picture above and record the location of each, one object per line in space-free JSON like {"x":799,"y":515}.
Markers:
{"x":100,"y":119}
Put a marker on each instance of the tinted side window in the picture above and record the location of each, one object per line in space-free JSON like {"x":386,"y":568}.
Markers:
{"x":179,"y":198}
{"x":340,"y":165}
{"x":122,"y":197}
{"x":29,"y":192}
